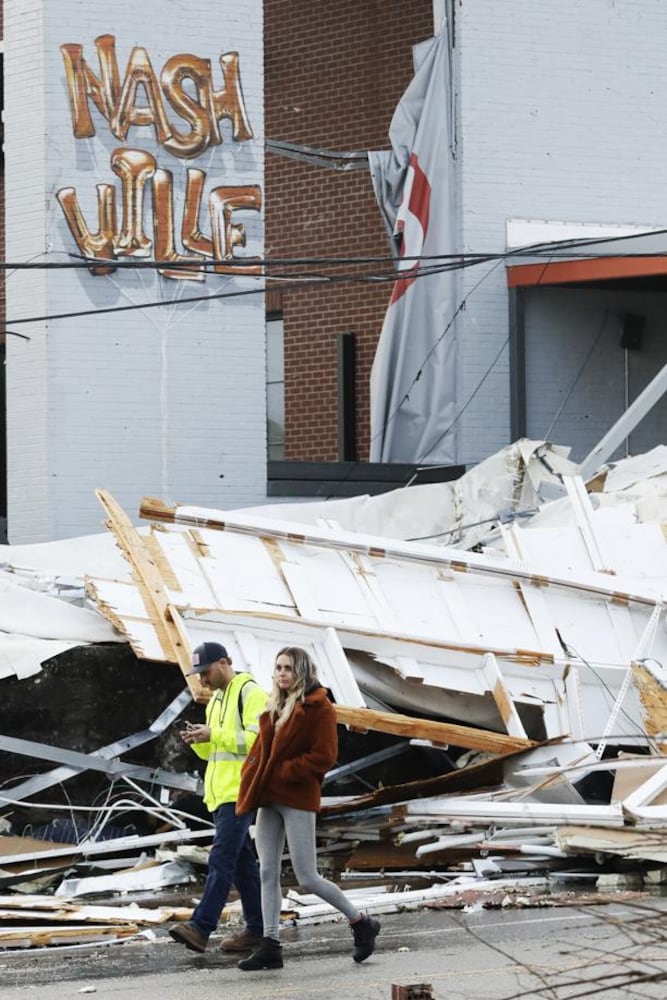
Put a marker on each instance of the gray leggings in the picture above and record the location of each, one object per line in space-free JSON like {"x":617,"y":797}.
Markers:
{"x":274,"y":823}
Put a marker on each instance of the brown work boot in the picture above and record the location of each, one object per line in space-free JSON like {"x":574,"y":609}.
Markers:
{"x":189,"y":935}
{"x":245,"y":941}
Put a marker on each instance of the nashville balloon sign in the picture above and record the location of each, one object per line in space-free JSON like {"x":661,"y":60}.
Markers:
{"x":186,"y":89}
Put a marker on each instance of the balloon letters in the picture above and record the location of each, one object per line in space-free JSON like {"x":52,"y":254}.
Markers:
{"x":201,"y":108}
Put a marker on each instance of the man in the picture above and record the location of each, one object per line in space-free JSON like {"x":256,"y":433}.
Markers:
{"x":224,"y":741}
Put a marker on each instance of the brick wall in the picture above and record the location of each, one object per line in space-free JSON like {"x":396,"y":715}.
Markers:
{"x":334,"y":73}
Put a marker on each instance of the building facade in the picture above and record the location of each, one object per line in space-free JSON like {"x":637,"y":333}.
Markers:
{"x":334,"y":74}
{"x":556,"y":111}
{"x":147,"y":383}
{"x":172,"y":399}
{"x":559,"y":115}
{"x":133,"y":134}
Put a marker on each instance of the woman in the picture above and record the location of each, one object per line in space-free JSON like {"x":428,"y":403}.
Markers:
{"x":282,"y":779}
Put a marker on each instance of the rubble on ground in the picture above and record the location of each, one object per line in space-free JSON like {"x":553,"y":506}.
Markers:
{"x":495,"y":647}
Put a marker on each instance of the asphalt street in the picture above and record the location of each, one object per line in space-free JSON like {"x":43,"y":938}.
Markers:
{"x":614,"y":952}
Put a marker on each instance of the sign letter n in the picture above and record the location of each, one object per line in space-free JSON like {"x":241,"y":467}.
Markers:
{"x":83,"y":84}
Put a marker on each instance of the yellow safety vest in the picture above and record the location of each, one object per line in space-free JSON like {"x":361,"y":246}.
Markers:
{"x":232,"y":718}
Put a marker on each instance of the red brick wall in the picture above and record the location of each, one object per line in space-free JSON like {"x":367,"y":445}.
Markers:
{"x":334,"y":74}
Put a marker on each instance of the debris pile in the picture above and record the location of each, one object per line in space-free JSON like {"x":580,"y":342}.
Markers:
{"x":495,"y":647}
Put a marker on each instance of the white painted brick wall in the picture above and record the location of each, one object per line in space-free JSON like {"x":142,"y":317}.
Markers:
{"x":27,"y":395}
{"x":166,"y":402}
{"x":561,"y":115}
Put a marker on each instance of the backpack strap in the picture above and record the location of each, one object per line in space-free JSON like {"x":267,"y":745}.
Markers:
{"x":240,"y":701}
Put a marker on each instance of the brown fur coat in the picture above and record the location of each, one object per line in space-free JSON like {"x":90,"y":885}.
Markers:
{"x":287,"y":765}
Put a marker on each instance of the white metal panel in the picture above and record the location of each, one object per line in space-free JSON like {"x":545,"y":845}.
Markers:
{"x":497,"y":615}
{"x":528,"y":232}
{"x":186,"y":567}
{"x":242,"y":574}
{"x":583,"y":514}
{"x":541,"y":618}
{"x":253,"y":645}
{"x":574,"y":702}
{"x":364,"y":571}
{"x":491,"y":810}
{"x":409,"y":668}
{"x":418,"y":599}
{"x":635,"y":553}
{"x":407,"y":610}
{"x":623,"y":627}
{"x":145,"y":640}
{"x":124,"y":599}
{"x":326,"y":589}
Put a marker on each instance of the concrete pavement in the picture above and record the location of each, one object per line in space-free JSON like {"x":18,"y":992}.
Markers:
{"x":486,"y":955}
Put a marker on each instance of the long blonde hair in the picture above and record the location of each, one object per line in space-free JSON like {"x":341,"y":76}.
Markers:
{"x":281,"y":703}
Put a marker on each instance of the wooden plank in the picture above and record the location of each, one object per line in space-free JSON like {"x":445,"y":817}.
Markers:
{"x":473,"y":777}
{"x":63,"y":912}
{"x":159,"y":510}
{"x":502,"y":697}
{"x":645,"y":845}
{"x":363,"y":719}
{"x":150,"y":582}
{"x":649,"y":683}
{"x":40,"y":937}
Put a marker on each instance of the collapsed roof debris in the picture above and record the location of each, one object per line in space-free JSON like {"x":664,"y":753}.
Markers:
{"x":512,"y":688}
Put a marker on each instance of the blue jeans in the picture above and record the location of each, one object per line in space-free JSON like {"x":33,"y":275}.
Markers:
{"x":232,"y":861}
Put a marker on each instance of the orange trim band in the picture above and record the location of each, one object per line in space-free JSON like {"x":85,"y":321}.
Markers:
{"x":594,"y":269}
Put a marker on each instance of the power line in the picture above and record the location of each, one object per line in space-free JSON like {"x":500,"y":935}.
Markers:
{"x":553,"y":249}
{"x":449,"y":262}
{"x":295,"y":282}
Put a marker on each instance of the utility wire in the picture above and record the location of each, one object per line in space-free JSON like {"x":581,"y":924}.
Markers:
{"x":299,"y":282}
{"x":294,"y":282}
{"x":205,"y":264}
{"x":479,"y":385}
{"x":429,"y":355}
{"x":447,"y":262}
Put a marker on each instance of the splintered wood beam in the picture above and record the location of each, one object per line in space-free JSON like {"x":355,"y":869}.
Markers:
{"x":42,"y":937}
{"x":471,"y":778}
{"x":652,"y":693}
{"x":443,"y":733}
{"x":502,"y":696}
{"x":150,"y":583}
{"x":154,"y":509}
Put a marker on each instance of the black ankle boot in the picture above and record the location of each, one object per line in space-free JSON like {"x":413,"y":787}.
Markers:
{"x":365,"y":931}
{"x":269,"y":955}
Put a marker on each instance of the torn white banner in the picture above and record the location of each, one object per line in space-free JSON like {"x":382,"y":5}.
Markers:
{"x":413,"y":380}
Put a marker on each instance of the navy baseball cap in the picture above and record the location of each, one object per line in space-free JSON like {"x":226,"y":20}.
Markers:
{"x":204,"y":655}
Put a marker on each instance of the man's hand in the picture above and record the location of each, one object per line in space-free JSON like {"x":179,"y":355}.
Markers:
{"x":196,"y":734}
